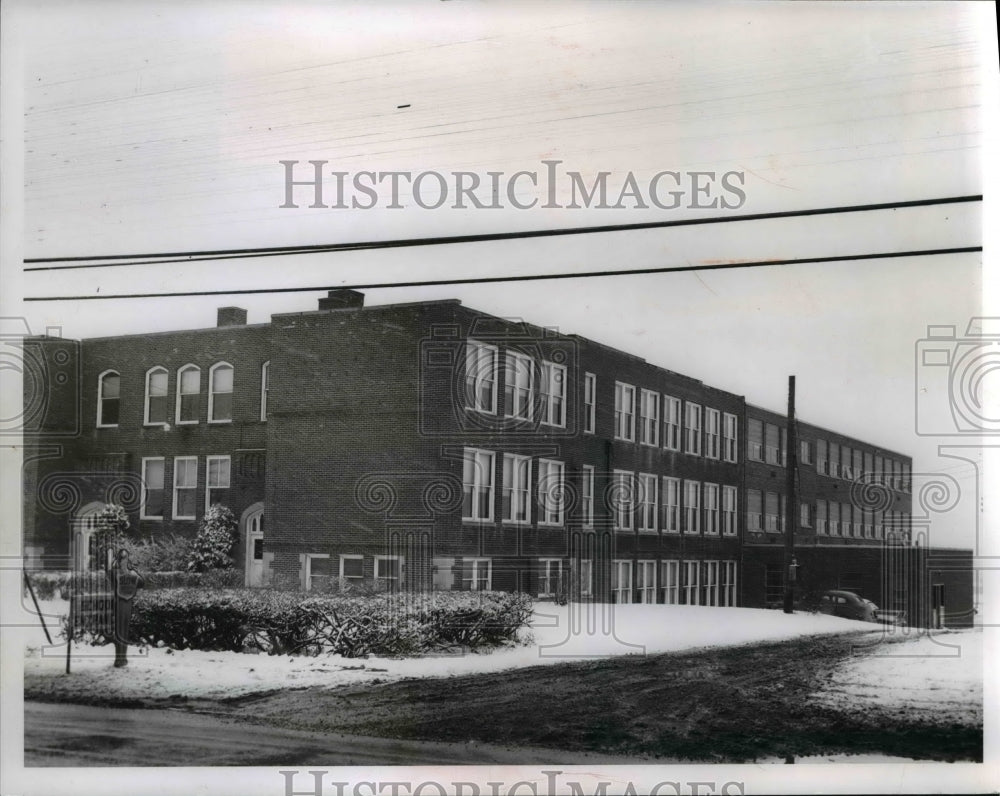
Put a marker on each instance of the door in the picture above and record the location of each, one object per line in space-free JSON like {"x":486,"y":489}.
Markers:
{"x":86,"y":556}
{"x":255,"y":549}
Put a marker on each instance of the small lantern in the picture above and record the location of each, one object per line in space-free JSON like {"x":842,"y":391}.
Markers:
{"x":793,"y":569}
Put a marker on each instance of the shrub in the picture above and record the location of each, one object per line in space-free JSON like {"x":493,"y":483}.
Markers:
{"x":168,"y":554}
{"x":217,"y":536}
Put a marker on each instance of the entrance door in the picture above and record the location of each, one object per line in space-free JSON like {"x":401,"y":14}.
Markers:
{"x":86,"y":556}
{"x":255,"y":549}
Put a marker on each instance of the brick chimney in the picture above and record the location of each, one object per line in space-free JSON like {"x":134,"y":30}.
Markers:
{"x":232,"y":316}
{"x":342,"y":300}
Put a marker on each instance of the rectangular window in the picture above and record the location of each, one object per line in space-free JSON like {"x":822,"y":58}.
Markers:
{"x":670,"y":581}
{"x":729,"y":584}
{"x":671,"y":423}
{"x":712,"y":441}
{"x":549,"y":577}
{"x":352,"y":568}
{"x":185,"y":487}
{"x":821,"y":518}
{"x":834,"y":460}
{"x":589,"y":403}
{"x":805,"y":515}
{"x":516,"y":499}
{"x":553,"y":395}
{"x":481,"y":377}
{"x":622,"y":498}
{"x":477,"y":574}
{"x":846,"y":517}
{"x":550,"y":492}
{"x":649,"y":418}
{"x":710,"y":588}
{"x":692,"y":507}
{"x":389,"y":571}
{"x":477,"y":485}
{"x":152,"y":489}
{"x":218,"y":480}
{"x":821,"y":463}
{"x":771,"y":511}
{"x":845,"y":463}
{"x":587,"y":496}
{"x":879,"y":472}
{"x":755,"y":440}
{"x":318,"y":571}
{"x":728,"y":510}
{"x":834,"y":518}
{"x":621,"y":582}
{"x":519,"y":379}
{"x":645,"y":581}
{"x":692,"y":427}
{"x":692,"y":573}
{"x":754,"y":510}
{"x":869,"y":466}
{"x":857,"y":464}
{"x":772,"y":444}
{"x":671,"y":505}
{"x":647,"y":502}
{"x":711,"y":508}
{"x":624,"y":412}
{"x":730,"y":437}
{"x":906,"y":477}
{"x":586,"y":577}
{"x":265,"y":371}
{"x":805,"y":452}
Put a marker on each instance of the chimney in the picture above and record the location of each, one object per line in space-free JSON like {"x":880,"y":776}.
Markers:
{"x":232,"y":316}
{"x":342,"y":300}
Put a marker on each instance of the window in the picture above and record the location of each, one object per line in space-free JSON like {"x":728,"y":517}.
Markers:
{"x":218,"y":479}
{"x":587,"y":493}
{"x":621,"y":582}
{"x":589,"y":403}
{"x":645,"y":581}
{"x":692,"y":507}
{"x":772,"y":444}
{"x":352,"y":568}
{"x":671,"y":505}
{"x":108,"y":399}
{"x":755,"y":440}
{"x":754,"y":510}
{"x":692,"y":571}
{"x":729,"y":583}
{"x":730,"y":437}
{"x":553,"y":394}
{"x":549,"y":577}
{"x":481,"y":377}
{"x":621,"y":500}
{"x":477,"y":485}
{"x":669,"y":581}
{"x":857,"y":464}
{"x":805,"y":515}
{"x":710,"y":587}
{"x":624,"y":411}
{"x":318,"y":571}
{"x":188,"y":394}
{"x":156,"y":410}
{"x":906,"y":477}
{"x":846,"y":515}
{"x":712,"y":448}
{"x":846,"y":470}
{"x":771,"y":511}
{"x":834,"y":518}
{"x":834,"y":460}
{"x":821,"y":526}
{"x":647,"y":502}
{"x":671,"y":423}
{"x":821,"y":463}
{"x":711,"y":508}
{"x":586,"y":569}
{"x":805,"y":452}
{"x":389,"y":571}
{"x":649,"y":414}
{"x":516,"y":497}
{"x":692,"y":427}
{"x":728,"y":510}
{"x":185,"y":486}
{"x":550,"y":492}
{"x":477,"y":574}
{"x":519,"y":378}
{"x":869,"y":466}
{"x":265,"y":372}
{"x":152,"y":489}
{"x":879,"y":473}
{"x":220,"y":393}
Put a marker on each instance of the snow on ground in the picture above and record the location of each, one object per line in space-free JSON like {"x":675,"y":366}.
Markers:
{"x":561,"y":633}
{"x":939,"y":677}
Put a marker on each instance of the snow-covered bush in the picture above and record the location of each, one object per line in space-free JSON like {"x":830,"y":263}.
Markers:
{"x":167,"y":554}
{"x":217,"y":536}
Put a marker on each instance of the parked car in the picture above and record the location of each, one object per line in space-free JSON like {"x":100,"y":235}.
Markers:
{"x":848,"y":605}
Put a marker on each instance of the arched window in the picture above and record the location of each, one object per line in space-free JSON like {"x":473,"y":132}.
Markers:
{"x":188,"y":393}
{"x":108,"y":399}
{"x":264,"y":373}
{"x":156,"y":409}
{"x":220,"y":393}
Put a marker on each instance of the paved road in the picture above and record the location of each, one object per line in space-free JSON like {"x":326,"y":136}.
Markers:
{"x":83,"y":735}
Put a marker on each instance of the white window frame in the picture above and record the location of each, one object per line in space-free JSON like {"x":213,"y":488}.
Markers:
{"x":648,"y":486}
{"x":476,"y":375}
{"x":553,"y":389}
{"x":307,"y":569}
{"x":730,"y":437}
{"x":692,"y":507}
{"x":805,"y":515}
{"x":624,"y":411}
{"x":477,"y":564}
{"x":671,"y":505}
{"x":822,"y":462}
{"x":771,"y":520}
{"x":623,"y":500}
{"x":177,"y":487}
{"x":805,"y":451}
{"x":670,"y":573}
{"x":711,"y":503}
{"x":728,"y":589}
{"x":587,"y":494}
{"x":548,"y":581}
{"x":645,"y":581}
{"x":755,"y":449}
{"x":551,"y":492}
{"x":163,"y":488}
{"x":671,"y":423}
{"x":344,"y":577}
{"x":265,"y":374}
{"x":822,"y":526}
{"x":692,"y":428}
{"x":586,"y":583}
{"x":519,"y":491}
{"x":516,"y":365}
{"x":212,"y":392}
{"x":755,"y":519}
{"x":483,"y":463}
{"x":180,"y":382}
{"x":730,"y":509}
{"x":692,"y":585}
{"x":400,"y":563}
{"x":589,"y":403}
{"x":156,"y":369}
{"x":649,"y":418}
{"x":711,"y":583}
{"x":208,"y":477}
{"x":773,"y":454}
{"x":713,"y":448}
{"x":101,"y":399}
{"x":618,"y":589}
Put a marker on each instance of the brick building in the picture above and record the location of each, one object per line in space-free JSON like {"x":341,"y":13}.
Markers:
{"x":429,"y":445}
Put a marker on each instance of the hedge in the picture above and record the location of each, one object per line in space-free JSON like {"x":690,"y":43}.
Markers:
{"x":52,"y":584}
{"x":290,"y":623}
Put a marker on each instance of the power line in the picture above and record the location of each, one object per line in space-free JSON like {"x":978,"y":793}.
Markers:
{"x":525,"y":278}
{"x":220,"y":254}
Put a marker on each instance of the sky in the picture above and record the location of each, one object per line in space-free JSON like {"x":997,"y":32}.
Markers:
{"x":159,"y":127}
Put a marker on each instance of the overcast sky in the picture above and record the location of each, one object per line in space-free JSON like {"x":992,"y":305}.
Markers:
{"x":151,"y":127}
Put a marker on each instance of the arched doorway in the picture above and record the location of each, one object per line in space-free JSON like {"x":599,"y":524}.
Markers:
{"x":84,"y":547}
{"x":253,"y":534}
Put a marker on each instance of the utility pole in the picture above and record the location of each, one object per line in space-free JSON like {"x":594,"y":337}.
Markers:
{"x":791,"y":498}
